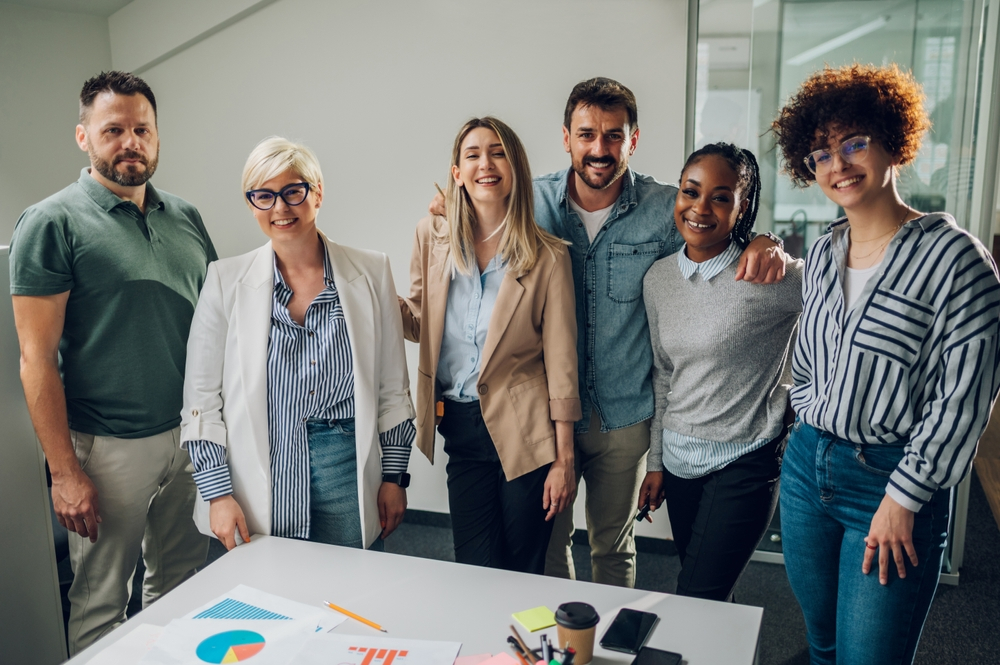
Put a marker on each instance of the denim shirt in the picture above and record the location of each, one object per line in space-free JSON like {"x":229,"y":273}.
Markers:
{"x":613,"y":342}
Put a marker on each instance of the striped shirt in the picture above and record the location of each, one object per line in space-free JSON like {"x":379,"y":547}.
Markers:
{"x":310,"y":375}
{"x":913,"y":362}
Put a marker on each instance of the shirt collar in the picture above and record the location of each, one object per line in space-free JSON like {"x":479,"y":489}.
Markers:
{"x":108,"y":200}
{"x":712,"y":267}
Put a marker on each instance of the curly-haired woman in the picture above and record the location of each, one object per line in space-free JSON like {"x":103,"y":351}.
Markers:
{"x":895,"y":371}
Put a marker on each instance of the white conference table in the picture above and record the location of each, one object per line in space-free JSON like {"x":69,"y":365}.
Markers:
{"x":438,"y":600}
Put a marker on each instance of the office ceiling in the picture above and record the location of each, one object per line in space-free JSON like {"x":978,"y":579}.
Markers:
{"x":94,"y":7}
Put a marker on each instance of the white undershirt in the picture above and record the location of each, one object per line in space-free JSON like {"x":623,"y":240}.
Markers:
{"x":855,"y":283}
{"x":592,"y":220}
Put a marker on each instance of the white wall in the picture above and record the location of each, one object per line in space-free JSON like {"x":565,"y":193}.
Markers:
{"x":378,"y":90}
{"x":45,"y":56}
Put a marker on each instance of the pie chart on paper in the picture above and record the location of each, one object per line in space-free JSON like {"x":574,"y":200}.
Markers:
{"x":233,"y":646}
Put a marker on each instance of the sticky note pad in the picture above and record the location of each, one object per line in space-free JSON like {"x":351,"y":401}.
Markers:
{"x":536,"y":618}
{"x":501,"y":658}
{"x":473,"y":660}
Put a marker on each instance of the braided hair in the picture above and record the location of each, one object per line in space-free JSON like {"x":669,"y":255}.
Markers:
{"x":744,"y":164}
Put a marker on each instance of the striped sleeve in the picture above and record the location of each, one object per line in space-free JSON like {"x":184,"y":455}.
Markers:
{"x":396,"y":445}
{"x":211,"y":473}
{"x":943,"y":442}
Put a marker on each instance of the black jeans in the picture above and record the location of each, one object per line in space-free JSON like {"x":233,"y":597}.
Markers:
{"x":494,"y":522}
{"x":718,"y":519}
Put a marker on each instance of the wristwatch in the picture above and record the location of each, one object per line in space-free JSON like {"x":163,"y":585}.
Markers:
{"x":773,"y":238}
{"x":401,"y":479}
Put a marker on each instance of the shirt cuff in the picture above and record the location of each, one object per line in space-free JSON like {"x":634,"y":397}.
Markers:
{"x":211,"y":473}
{"x":396,"y":445}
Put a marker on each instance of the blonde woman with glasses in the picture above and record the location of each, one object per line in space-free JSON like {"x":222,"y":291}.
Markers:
{"x":297,"y":411}
{"x":492,"y":306}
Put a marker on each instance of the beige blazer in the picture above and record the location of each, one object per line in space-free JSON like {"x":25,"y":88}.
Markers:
{"x":528,"y":374}
{"x":225,"y":382}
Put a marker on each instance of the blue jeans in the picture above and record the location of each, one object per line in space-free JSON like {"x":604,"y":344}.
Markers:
{"x":830,"y":490}
{"x":334,"y":512}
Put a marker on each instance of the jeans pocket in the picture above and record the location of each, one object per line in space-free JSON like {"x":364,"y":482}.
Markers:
{"x":880,"y":460}
{"x":346,"y":425}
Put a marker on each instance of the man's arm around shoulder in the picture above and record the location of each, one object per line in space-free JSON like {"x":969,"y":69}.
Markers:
{"x":39,"y":321}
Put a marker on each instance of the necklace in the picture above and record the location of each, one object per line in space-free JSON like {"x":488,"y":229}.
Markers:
{"x":880,"y":248}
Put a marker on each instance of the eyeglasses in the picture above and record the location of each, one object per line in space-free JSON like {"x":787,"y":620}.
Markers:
{"x":853,"y":150}
{"x":293,"y":195}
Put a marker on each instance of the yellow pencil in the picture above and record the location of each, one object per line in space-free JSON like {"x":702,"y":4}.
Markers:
{"x":438,"y":187}
{"x":355,"y":616}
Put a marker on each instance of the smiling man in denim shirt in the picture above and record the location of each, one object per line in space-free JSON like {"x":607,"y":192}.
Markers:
{"x":619,"y":222}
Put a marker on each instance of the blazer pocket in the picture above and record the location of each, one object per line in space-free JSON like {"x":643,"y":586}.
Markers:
{"x":894,"y":326}
{"x":531,"y":406}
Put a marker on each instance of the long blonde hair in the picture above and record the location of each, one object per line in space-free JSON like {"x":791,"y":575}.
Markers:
{"x":521,"y":238}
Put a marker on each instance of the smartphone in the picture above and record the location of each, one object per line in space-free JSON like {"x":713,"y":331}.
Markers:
{"x":629,"y":630}
{"x":651,"y":656}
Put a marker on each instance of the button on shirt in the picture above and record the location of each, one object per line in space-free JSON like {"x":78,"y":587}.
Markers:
{"x":613,"y":344}
{"x":466,"y":322}
{"x":913,"y":362}
{"x":310,"y":375}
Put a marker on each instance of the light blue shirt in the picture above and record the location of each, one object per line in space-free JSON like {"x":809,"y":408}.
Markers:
{"x":707,"y":269}
{"x":466,"y":321}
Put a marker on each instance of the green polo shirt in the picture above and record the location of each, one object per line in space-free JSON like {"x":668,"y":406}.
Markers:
{"x":133,"y":282}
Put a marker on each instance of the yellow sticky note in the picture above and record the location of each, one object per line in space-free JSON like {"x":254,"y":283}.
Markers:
{"x":536,"y":618}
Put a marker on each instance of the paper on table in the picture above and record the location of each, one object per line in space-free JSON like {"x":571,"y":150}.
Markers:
{"x":473,"y":660}
{"x":200,"y":641}
{"x":327,"y":648}
{"x":536,"y":618}
{"x":130,"y":648}
{"x":245,"y":602}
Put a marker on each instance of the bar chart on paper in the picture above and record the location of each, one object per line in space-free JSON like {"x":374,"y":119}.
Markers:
{"x":233,"y":646}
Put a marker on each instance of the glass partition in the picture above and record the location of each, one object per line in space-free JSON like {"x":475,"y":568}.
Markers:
{"x":752,"y":54}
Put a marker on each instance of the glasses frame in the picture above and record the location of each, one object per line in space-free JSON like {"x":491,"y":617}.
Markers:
{"x":280,"y":194}
{"x":840,"y":151}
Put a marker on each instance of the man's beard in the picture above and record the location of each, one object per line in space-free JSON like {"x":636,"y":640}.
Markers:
{"x":599,"y":183}
{"x":132,"y":176}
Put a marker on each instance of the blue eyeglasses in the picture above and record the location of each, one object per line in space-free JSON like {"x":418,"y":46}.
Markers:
{"x":293,"y":195}
{"x":853,"y":150}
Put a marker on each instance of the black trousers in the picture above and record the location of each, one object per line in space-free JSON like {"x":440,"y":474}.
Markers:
{"x":494,"y":522}
{"x":719,"y":519}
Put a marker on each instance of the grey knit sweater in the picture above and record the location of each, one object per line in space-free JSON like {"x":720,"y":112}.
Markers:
{"x":721,"y":355}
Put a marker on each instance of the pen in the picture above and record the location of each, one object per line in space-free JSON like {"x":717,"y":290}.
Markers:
{"x":527,"y":652}
{"x":438,"y":187}
{"x":355,"y":616}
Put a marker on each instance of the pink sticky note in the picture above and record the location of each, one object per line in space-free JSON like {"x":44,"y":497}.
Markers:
{"x":501,"y":658}
{"x":472,"y":660}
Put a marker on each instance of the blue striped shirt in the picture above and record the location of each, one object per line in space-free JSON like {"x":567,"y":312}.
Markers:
{"x":913,"y":362}
{"x":310,"y":374}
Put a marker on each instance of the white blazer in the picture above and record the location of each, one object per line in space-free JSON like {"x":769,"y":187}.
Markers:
{"x":225,"y":380}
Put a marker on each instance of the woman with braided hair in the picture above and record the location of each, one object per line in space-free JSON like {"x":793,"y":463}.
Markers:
{"x":721,"y":376}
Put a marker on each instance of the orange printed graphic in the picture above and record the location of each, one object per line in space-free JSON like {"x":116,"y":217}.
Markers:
{"x":375,"y":656}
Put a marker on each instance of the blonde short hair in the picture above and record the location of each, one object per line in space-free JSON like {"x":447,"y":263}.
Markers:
{"x":274,"y":156}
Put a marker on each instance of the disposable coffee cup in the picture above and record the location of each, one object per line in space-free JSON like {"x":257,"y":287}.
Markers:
{"x":576,"y":624}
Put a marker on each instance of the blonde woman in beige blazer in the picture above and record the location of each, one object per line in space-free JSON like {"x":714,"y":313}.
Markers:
{"x":493,"y":308}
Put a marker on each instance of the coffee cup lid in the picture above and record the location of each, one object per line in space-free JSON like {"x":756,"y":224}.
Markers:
{"x":577,"y":616}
